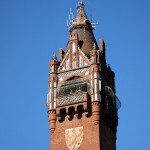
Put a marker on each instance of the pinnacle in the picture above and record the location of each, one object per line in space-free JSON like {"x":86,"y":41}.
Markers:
{"x":81,"y":15}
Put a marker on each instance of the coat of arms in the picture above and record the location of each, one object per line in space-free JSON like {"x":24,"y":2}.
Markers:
{"x":74,"y":137}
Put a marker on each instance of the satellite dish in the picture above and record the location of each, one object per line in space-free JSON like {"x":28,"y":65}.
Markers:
{"x":118,"y":103}
{"x":108,"y":91}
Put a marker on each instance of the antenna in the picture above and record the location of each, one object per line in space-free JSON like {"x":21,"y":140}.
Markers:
{"x":70,"y":20}
{"x":79,"y":2}
{"x":94,"y":24}
{"x":82,"y":1}
{"x":77,"y":5}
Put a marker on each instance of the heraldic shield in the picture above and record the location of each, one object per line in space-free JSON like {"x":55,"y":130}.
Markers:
{"x":74,"y":137}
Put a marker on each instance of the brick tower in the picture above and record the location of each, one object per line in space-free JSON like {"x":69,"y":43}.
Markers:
{"x":82,"y":104}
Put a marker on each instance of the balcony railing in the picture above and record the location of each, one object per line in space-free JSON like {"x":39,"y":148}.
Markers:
{"x":72,"y":99}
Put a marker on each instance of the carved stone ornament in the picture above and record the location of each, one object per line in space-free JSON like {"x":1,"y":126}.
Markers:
{"x":74,"y":137}
{"x":69,"y":73}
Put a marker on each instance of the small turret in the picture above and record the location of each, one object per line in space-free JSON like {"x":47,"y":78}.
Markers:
{"x":51,"y":96}
{"x":54,"y":64}
{"x":95,"y":55}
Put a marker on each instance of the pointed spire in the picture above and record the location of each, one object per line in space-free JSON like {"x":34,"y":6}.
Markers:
{"x":82,"y":27}
{"x":81,"y":15}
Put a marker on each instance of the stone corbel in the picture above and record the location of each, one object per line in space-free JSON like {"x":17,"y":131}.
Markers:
{"x":52,"y":120}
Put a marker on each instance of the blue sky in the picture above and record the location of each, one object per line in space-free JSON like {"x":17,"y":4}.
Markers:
{"x":32,"y":30}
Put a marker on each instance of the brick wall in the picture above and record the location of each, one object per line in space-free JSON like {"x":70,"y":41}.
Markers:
{"x":91,"y":137}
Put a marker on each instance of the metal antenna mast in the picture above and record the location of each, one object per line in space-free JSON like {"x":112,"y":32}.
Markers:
{"x":70,"y":20}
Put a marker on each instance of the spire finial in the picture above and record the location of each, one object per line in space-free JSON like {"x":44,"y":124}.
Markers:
{"x":80,"y":3}
{"x":81,"y":15}
{"x":54,"y":56}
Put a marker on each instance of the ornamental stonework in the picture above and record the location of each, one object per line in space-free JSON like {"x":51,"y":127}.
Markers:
{"x":73,"y":72}
{"x":74,"y":137}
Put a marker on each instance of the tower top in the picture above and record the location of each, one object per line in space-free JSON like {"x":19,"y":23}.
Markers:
{"x":81,"y":15}
{"x":82,"y":27}
{"x":81,"y":18}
